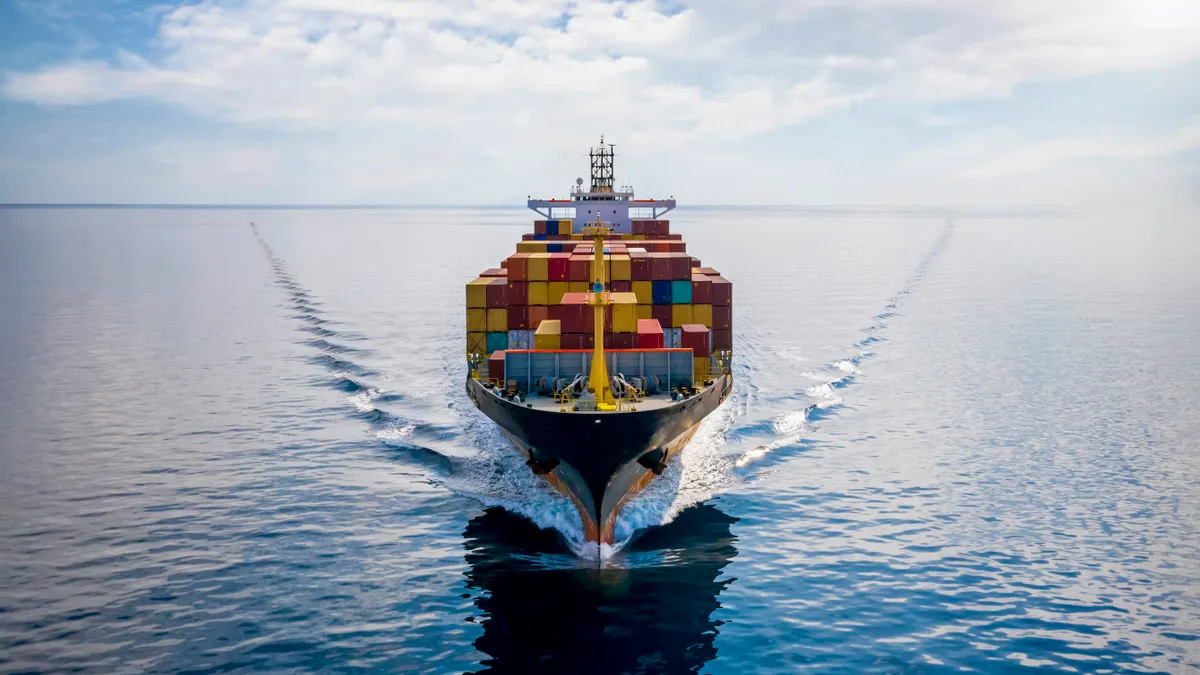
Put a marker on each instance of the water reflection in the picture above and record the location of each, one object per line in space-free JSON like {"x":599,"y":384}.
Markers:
{"x":649,"y":612}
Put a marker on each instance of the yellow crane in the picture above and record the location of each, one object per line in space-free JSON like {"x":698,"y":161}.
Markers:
{"x":598,"y":382}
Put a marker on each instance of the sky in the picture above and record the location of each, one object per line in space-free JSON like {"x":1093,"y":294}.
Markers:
{"x":857,"y":102}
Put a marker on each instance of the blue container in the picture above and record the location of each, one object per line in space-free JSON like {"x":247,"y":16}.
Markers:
{"x":539,"y":237}
{"x":681,"y":292}
{"x":555,"y":247}
{"x":497,"y":342}
{"x":661,"y":291}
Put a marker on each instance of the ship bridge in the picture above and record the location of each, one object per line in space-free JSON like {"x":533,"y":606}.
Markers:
{"x":616,"y":207}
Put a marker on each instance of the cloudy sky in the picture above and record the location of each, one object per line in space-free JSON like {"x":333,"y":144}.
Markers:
{"x":712,"y":101}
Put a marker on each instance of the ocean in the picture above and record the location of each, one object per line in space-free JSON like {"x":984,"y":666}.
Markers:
{"x":960,"y":440}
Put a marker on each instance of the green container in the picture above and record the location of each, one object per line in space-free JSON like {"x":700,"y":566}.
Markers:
{"x":681,"y":292}
{"x":497,"y":341}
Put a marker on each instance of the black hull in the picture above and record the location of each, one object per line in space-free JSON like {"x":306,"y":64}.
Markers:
{"x":595,"y":455}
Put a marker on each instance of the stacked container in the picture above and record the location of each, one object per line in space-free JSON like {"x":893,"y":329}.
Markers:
{"x":660,"y":295}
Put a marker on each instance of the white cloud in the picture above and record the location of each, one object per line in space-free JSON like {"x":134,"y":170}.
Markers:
{"x":383,"y":83}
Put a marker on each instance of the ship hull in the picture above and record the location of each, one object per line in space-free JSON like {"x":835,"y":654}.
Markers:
{"x":593,"y":458}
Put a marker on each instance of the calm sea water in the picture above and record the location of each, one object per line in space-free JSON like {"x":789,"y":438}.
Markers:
{"x":965,"y":443}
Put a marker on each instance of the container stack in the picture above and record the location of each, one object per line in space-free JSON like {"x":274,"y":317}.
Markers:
{"x":661,"y":296}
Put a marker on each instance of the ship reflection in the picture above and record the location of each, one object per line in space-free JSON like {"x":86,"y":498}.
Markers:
{"x":649,"y":613}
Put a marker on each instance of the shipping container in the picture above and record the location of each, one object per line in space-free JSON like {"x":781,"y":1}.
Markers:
{"x":556,"y":290}
{"x":663,"y":314}
{"x":497,"y":320}
{"x":621,"y":269}
{"x":681,"y":267}
{"x":701,"y":289}
{"x":661,"y":292}
{"x":645,"y":311}
{"x":547,"y":335}
{"x":700,"y":370}
{"x":577,"y":286}
{"x":520,"y":339}
{"x":660,"y":266}
{"x":554,"y":247}
{"x":539,"y":266}
{"x":495,"y":367}
{"x":644,"y":290}
{"x":517,"y":293}
{"x":722,"y":291}
{"x":579,"y":268}
{"x":497,"y":341}
{"x":477,"y":343}
{"x":494,"y":294}
{"x":494,"y":272}
{"x":701,"y":314}
{"x":539,"y":227}
{"x":537,"y":314}
{"x":671,"y":337}
{"x":722,"y":339}
{"x":622,"y":286}
{"x":476,"y":320}
{"x":477,"y":292}
{"x":722,"y":317}
{"x":624,"y":341}
{"x":558,"y":267}
{"x":539,"y":293}
{"x":649,"y":334}
{"x":518,"y":318}
{"x":680,"y":315}
{"x":693,"y":336}
{"x":640,"y":268}
{"x":681,"y":292}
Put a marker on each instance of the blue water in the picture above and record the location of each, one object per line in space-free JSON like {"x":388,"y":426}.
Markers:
{"x":960,"y":440}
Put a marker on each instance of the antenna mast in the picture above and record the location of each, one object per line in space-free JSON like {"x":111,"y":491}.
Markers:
{"x":602,"y":166}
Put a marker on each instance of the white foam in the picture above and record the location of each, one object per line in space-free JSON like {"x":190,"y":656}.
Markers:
{"x":824,"y":395}
{"x":362,"y":400}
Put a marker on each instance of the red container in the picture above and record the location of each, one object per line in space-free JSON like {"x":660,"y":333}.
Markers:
{"x":539,"y":227}
{"x":694,"y":336}
{"x":637,"y":227}
{"x":496,"y":366}
{"x":518,"y":317}
{"x":640,"y":266}
{"x":676,"y":246}
{"x":622,"y":286}
{"x":518,"y":267}
{"x":722,"y":317}
{"x":557,"y":268}
{"x":571,"y":341}
{"x":701,"y":290}
{"x":494,"y":272}
{"x":495,"y":293}
{"x":662,"y":314}
{"x":649,"y":334}
{"x":537,"y":314}
{"x":722,"y":291}
{"x":672,"y":236}
{"x":706,"y":271}
{"x":517,"y":293}
{"x":624,"y":341}
{"x":579,"y":268}
{"x":575,"y":318}
{"x":608,"y":341}
{"x":695,"y":263}
{"x":575,"y":298}
{"x":660,"y":266}
{"x":528,"y":236}
{"x":722,"y":339}
{"x":662,"y":227}
{"x":681,"y":266}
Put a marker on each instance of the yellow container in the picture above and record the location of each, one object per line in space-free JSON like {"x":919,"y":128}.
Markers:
{"x":639,"y":237}
{"x":539,"y":294}
{"x":644,"y":290}
{"x":539,"y":267}
{"x":476,"y":320}
{"x":477,"y":292}
{"x":624,"y":318}
{"x":700,"y":370}
{"x":577,"y":287}
{"x":564,"y":227}
{"x":548,"y":335}
{"x":497,"y":320}
{"x":531,"y":247}
{"x":476,"y":343}
{"x":556,"y":290}
{"x":702,"y":314}
{"x":621,"y":268}
{"x":644,"y":312}
{"x":577,"y":237}
{"x":681,"y":314}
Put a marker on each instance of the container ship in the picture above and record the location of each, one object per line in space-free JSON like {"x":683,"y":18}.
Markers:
{"x":600,"y":344}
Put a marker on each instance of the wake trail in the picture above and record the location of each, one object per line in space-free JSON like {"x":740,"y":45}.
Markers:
{"x":347,"y":375}
{"x":831,"y":378}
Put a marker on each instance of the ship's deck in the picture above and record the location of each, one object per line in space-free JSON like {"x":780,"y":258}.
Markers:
{"x":548,"y":404}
